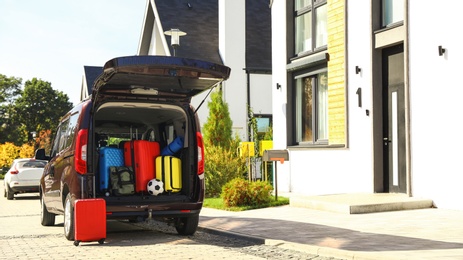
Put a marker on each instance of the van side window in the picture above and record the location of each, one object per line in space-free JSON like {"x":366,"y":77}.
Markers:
{"x":55,"y":148}
{"x":71,"y":130}
{"x":63,"y":135}
{"x":60,"y":138}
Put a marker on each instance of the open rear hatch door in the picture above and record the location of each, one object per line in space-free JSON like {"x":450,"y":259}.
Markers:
{"x":157,"y":77}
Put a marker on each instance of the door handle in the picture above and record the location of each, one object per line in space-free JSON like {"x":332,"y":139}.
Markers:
{"x":387,"y":140}
{"x":52,"y":170}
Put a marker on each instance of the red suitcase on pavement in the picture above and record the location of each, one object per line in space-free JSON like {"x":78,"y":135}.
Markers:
{"x":89,"y":221}
{"x":145,"y":153}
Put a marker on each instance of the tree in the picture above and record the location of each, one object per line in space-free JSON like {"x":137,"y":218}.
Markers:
{"x":222,"y":161}
{"x":10,"y":89}
{"x":40,"y":107}
{"x":218,"y":127}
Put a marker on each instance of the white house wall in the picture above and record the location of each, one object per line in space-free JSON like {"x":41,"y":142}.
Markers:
{"x":260,"y":93}
{"x":279,"y":96}
{"x":317,"y":171}
{"x":232,"y":48}
{"x":436,"y":103}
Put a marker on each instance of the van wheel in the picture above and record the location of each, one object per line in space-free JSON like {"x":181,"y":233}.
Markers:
{"x":68,"y":218}
{"x":47,"y":218}
{"x":187,"y":226}
{"x":9,"y":193}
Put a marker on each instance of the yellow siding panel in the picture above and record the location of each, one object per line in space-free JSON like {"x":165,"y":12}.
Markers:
{"x":336,"y":72}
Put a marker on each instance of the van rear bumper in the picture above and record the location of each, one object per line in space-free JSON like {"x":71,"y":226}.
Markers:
{"x":175,"y":209}
{"x":152,"y":214}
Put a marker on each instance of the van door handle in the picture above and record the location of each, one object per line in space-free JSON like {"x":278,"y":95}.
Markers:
{"x":52,"y":171}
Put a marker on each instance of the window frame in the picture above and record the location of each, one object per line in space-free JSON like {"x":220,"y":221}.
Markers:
{"x":384,"y":13}
{"x":312,"y":72}
{"x":310,"y":8}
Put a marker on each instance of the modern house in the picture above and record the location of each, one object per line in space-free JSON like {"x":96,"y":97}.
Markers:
{"x":234,"y":33}
{"x":359,"y":89}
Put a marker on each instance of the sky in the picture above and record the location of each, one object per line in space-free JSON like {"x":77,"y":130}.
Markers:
{"x":53,"y":40}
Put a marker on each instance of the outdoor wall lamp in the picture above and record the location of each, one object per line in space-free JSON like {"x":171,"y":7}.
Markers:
{"x":357,"y":69}
{"x":175,"y":37}
{"x":441,"y":50}
{"x":278,"y":86}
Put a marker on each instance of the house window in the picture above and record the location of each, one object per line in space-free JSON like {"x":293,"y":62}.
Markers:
{"x":392,"y":12}
{"x":310,"y":25}
{"x":311,"y":108}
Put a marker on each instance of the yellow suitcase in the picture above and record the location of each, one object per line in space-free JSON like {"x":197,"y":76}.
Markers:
{"x":169,"y":170}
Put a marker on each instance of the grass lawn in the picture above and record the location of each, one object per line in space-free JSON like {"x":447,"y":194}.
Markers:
{"x":217,"y":203}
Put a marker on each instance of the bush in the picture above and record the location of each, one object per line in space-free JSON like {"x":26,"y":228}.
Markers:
{"x":260,"y":193}
{"x":221,"y":166}
{"x":235,"y":193}
{"x":240,"y":192}
{"x":9,"y":152}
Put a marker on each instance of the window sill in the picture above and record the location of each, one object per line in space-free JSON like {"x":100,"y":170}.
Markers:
{"x":316,"y":146}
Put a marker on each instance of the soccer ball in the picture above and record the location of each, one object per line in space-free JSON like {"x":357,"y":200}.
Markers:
{"x":155,"y":187}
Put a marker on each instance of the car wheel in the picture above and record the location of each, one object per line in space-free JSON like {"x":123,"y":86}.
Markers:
{"x":68,"y":218}
{"x":9,"y":193}
{"x":47,"y":218}
{"x":187,"y":226}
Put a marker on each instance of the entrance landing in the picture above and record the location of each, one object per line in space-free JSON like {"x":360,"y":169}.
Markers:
{"x":358,"y":203}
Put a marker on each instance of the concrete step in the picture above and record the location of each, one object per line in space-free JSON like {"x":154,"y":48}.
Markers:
{"x":358,"y":203}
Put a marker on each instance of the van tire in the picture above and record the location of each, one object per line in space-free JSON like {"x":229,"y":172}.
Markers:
{"x":47,"y":218}
{"x":187,"y":226}
{"x":68,"y":218}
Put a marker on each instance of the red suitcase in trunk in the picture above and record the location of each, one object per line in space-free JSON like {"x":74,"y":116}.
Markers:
{"x":89,"y":221}
{"x":145,"y":153}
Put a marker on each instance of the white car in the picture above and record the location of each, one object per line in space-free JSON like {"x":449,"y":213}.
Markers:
{"x":23,"y":177}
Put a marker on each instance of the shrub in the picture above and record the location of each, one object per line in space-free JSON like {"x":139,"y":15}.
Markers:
{"x":8,"y":152}
{"x":221,"y":166}
{"x":260,"y":193}
{"x":240,"y":192}
{"x":235,"y":193}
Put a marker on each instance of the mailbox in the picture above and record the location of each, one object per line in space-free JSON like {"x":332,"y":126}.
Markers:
{"x":275,"y":155}
{"x":265,"y":145}
{"x":246,"y":149}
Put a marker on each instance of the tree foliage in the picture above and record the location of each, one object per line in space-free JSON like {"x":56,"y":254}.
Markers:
{"x":218,"y":127}
{"x":222,"y":165}
{"x":10,"y":87}
{"x":35,"y":109}
{"x":9,"y":152}
{"x":40,"y":107}
{"x":222,"y":161}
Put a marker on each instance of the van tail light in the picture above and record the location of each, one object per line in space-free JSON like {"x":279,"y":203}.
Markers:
{"x":80,"y":162}
{"x":199,"y":141}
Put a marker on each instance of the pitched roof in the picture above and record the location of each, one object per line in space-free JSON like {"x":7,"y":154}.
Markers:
{"x":258,"y":35}
{"x":199,"y":19}
{"x":90,"y":75}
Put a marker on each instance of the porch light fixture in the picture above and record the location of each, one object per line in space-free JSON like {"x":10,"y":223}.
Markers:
{"x":357,"y":69}
{"x":175,"y":37}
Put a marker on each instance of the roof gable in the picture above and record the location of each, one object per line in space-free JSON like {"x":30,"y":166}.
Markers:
{"x":90,"y":75}
{"x":199,"y":19}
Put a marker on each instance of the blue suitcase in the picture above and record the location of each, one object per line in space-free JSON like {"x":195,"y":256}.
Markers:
{"x":109,"y":156}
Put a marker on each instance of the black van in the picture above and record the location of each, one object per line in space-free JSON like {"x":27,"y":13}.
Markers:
{"x":135,"y":98}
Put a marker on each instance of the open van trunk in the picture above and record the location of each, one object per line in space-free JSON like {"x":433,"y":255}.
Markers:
{"x":148,"y":98}
{"x":118,"y":122}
